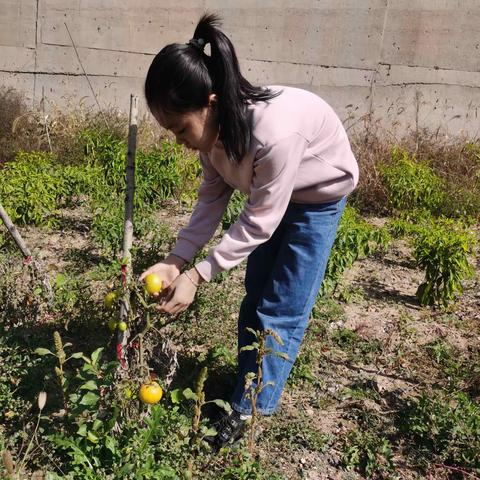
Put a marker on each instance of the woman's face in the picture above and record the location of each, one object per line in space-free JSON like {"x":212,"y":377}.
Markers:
{"x":197,"y":130}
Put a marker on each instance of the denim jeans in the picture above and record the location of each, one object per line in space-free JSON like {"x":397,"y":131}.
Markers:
{"x":282,"y":281}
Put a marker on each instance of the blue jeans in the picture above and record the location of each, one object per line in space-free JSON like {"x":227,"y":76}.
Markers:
{"x":282,"y":281}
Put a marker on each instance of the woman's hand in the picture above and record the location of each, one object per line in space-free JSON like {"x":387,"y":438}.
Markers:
{"x":168,"y":270}
{"x":180,"y":294}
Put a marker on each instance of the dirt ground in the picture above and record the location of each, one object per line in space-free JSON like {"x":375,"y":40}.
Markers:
{"x":377,"y":301}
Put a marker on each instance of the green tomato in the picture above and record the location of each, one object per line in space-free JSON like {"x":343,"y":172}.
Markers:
{"x":109,"y":299}
{"x":112,"y":325}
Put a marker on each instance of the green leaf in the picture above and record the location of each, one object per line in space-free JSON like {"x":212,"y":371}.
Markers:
{"x":189,"y":395}
{"x":111,"y":444}
{"x":96,"y":355}
{"x":77,"y":355}
{"x":92,"y":437}
{"x":247,"y":347}
{"x":208,"y":432}
{"x":82,"y":430}
{"x":96,"y":425}
{"x":43,"y":351}
{"x":90,"y":385}
{"x":89,"y":399}
{"x":176,"y":396}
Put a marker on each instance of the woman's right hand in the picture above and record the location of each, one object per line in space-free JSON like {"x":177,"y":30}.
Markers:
{"x":168,"y":270}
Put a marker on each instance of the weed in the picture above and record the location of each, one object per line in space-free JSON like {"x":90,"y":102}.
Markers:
{"x":299,"y":434}
{"x":14,"y":369}
{"x":460,"y":371}
{"x":19,"y":127}
{"x":368,"y":453}
{"x":444,"y":428}
{"x":303,"y":367}
{"x":351,"y":342}
{"x":254,"y":383}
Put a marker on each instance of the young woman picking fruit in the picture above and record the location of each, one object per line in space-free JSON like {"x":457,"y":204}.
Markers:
{"x":288,"y":151}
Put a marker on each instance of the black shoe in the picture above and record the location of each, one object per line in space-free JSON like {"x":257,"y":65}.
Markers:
{"x":230,"y":428}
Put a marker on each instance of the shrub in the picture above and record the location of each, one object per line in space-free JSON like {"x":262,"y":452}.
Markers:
{"x":31,"y":188}
{"x":411,"y":184}
{"x":442,"y":249}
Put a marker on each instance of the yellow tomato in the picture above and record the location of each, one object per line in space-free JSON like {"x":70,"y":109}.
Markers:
{"x":153,"y":283}
{"x":122,"y":326}
{"x":150,"y":393}
{"x":109,"y":299}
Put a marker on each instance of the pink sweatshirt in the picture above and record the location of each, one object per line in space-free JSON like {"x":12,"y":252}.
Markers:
{"x":299,"y":153}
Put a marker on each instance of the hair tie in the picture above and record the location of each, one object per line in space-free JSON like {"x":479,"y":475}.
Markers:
{"x":198,"y":43}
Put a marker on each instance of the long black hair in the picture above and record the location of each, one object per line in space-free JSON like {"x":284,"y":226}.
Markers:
{"x":182,"y":76}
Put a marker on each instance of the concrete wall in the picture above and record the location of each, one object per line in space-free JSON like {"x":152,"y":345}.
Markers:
{"x":402,"y":63}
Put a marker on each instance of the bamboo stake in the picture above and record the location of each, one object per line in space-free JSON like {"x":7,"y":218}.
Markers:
{"x":128,"y":227}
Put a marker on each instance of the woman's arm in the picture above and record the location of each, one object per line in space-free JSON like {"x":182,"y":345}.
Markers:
{"x":213,"y":197}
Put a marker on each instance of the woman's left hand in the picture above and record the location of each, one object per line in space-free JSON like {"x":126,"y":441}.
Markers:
{"x":178,"y":295}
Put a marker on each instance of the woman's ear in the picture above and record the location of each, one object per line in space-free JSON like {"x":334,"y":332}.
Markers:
{"x":212,"y":100}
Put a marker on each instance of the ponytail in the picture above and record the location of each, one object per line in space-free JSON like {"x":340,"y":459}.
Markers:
{"x":182,"y":76}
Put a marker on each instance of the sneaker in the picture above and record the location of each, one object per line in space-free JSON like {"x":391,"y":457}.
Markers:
{"x":230,"y":429}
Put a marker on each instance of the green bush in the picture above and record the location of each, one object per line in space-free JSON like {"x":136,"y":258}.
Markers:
{"x":32,"y":188}
{"x":166,"y":172}
{"x":355,"y":239}
{"x":161,"y":173}
{"x":442,"y":249}
{"x":411,"y":184}
{"x":35,"y":186}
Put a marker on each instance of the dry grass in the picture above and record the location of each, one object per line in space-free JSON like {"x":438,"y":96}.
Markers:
{"x":22,"y":128}
{"x":18,"y":126}
{"x":455,"y":160}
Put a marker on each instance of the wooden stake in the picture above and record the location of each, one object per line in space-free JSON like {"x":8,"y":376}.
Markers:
{"x":15,"y":233}
{"x":27,"y":254}
{"x":128,"y":227}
